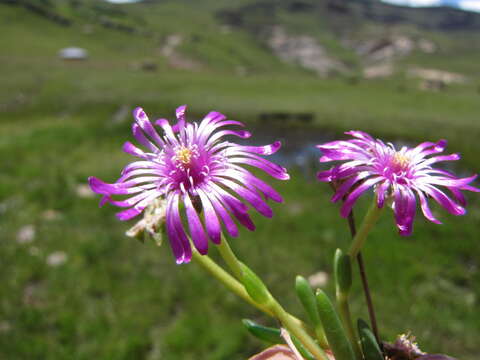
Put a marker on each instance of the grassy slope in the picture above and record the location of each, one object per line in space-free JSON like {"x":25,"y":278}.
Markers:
{"x":117,"y":299}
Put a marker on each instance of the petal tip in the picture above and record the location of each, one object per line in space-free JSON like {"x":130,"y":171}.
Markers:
{"x":138,"y":113}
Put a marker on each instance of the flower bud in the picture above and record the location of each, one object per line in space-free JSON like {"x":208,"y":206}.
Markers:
{"x":254,"y":286}
{"x":343,"y":272}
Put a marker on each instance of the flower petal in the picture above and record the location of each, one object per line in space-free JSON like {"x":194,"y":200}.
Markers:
{"x":142,"y":120}
{"x":196,"y":227}
{"x":426,"y":208}
{"x":404,"y":206}
{"x":355,"y":194}
{"x":220,"y":210}
{"x":212,"y":224}
{"x":444,"y":200}
{"x":250,"y":196}
{"x":173,"y":235}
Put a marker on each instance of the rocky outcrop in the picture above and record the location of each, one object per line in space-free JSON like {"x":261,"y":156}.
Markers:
{"x":434,"y":79}
{"x":392,"y":47}
{"x":305,"y":51}
{"x":177,"y":60}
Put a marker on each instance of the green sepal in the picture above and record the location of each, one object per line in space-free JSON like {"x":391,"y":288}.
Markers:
{"x":343,"y":272}
{"x":371,"y":350}
{"x":268,"y":334}
{"x":334,"y":331}
{"x":255,"y":286}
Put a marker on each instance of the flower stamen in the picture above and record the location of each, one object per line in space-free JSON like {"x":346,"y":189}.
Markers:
{"x":400,"y":160}
{"x":184,"y":155}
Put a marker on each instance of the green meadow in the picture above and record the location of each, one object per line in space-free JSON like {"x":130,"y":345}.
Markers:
{"x":73,"y":286}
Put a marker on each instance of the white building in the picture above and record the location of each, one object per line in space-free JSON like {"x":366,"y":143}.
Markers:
{"x":73,"y":53}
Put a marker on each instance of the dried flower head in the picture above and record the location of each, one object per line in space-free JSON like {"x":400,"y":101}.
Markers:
{"x":400,"y":175}
{"x":154,"y":217}
{"x":194,"y":169}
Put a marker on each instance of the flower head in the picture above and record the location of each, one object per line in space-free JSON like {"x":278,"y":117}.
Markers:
{"x":194,"y":169}
{"x":400,"y":175}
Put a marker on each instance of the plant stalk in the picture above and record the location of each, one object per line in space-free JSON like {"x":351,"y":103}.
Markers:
{"x":230,"y":258}
{"x":236,"y":287}
{"x":226,"y":279}
{"x":292,"y":324}
{"x":297,"y":331}
{"x":369,"y":221}
{"x":344,"y":311}
{"x":363,"y":276}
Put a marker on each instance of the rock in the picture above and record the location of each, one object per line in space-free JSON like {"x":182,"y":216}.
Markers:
{"x":389,"y":48}
{"x":121,"y":114}
{"x":378,"y":71}
{"x":176,"y":59}
{"x":84,"y":191}
{"x":432,"y":85}
{"x":319,"y":279}
{"x":149,"y":66}
{"x":295,"y":208}
{"x":5,"y":326}
{"x":57,"y":258}
{"x":51,"y":215}
{"x":305,"y":51}
{"x":172,"y":41}
{"x":26,"y":234}
{"x":426,"y":46}
{"x":380,"y":50}
{"x":437,"y":75}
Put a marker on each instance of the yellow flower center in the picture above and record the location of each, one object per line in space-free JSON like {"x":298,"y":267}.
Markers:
{"x":184,"y":155}
{"x":401,"y":160}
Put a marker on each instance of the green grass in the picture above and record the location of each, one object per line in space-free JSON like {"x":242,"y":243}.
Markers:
{"x":115,"y":298}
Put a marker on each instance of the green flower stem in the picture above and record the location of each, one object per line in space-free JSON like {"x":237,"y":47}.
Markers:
{"x":294,"y":329}
{"x":272,"y":308}
{"x":228,"y":280}
{"x":234,"y":265}
{"x":235,"y":286}
{"x":344,"y":311}
{"x":230,"y":258}
{"x":369,"y":221}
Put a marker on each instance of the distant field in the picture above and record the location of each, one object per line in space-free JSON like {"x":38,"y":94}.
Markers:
{"x":114,"y":298}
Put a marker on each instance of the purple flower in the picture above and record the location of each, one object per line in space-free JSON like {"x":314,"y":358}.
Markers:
{"x":401,"y":175}
{"x":194,"y":170}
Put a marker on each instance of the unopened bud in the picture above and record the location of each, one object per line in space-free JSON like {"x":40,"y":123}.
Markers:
{"x":255,"y":286}
{"x":343,"y":272}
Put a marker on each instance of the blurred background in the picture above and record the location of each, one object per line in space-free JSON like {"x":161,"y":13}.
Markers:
{"x":73,"y":286}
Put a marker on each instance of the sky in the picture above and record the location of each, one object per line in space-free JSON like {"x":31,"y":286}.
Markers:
{"x":122,"y":1}
{"x":470,"y":5}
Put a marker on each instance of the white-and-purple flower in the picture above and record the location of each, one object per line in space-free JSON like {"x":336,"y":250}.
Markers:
{"x":195,"y":170}
{"x":402,"y":175}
